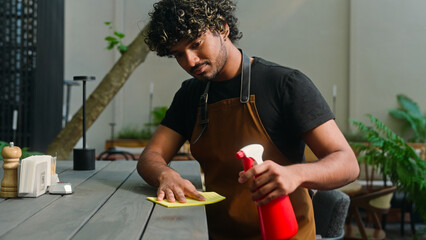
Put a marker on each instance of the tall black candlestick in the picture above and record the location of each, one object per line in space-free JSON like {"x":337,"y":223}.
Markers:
{"x":84,"y":159}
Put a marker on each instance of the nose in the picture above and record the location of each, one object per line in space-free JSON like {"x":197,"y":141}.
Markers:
{"x":191,"y":59}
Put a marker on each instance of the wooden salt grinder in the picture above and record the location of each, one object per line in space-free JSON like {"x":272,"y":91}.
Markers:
{"x":9,"y":184}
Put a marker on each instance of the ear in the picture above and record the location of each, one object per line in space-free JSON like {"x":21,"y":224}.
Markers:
{"x":225,"y":32}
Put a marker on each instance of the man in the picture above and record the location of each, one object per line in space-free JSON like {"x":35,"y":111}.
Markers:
{"x":233,"y":101}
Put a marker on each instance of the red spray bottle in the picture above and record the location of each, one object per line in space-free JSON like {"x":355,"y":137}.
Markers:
{"x":277,"y":219}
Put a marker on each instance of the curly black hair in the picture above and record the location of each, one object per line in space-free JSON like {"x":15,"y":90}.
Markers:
{"x":174,"y":20}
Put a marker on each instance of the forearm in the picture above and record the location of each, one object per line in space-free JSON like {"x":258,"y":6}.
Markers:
{"x":151,"y":166}
{"x":333,"y":171}
{"x":161,"y":148}
{"x":337,"y":165}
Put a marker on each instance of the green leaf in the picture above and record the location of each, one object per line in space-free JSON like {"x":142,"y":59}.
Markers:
{"x":411,"y":114}
{"x":111,"y":45}
{"x":122,"y":48}
{"x":398,"y":114}
{"x":107,"y":23}
{"x":119,"y":34}
{"x":409,"y":105}
{"x":111,"y":39}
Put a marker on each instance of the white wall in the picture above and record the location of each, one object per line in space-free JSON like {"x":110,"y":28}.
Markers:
{"x":363,"y":47}
{"x":388,"y":57}
{"x":311,"y":36}
{"x":85,"y":54}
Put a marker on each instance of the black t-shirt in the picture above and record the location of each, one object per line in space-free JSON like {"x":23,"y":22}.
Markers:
{"x":287,"y":101}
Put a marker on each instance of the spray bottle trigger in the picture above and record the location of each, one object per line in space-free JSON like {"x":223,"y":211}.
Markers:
{"x":254,"y":151}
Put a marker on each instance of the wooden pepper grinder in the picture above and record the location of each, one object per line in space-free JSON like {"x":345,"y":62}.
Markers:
{"x":9,"y":184}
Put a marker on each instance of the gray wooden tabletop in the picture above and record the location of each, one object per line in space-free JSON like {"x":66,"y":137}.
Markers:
{"x":107,"y":203}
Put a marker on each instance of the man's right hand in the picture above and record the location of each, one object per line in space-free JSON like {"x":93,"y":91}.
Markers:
{"x":173,"y":187}
{"x":153,"y":168}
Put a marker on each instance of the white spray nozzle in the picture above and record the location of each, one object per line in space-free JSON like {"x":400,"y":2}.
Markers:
{"x":254,"y":151}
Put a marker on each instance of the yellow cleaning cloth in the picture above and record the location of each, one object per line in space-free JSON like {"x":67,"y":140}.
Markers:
{"x":211,"y":197}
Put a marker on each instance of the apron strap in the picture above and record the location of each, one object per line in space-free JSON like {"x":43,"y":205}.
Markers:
{"x":245,"y":79}
{"x":204,"y":120}
{"x":244,"y":94}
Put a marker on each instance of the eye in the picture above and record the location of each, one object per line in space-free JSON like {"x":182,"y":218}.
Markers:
{"x":196,"y":44}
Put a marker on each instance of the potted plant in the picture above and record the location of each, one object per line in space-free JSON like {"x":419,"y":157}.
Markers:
{"x":392,"y":156}
{"x":133,"y":137}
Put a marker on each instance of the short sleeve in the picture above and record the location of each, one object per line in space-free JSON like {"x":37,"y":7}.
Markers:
{"x":174,"y":118}
{"x":182,"y":113}
{"x":309,"y":108}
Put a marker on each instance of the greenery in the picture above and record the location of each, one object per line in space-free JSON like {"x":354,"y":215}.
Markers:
{"x":25,"y":151}
{"x":391,"y":155}
{"x":132,"y":132}
{"x":355,"y":137}
{"x":412,"y":116}
{"x":158,"y":113}
{"x":115,"y":40}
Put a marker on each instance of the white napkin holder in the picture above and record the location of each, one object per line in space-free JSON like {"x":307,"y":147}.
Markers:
{"x":35,"y":176}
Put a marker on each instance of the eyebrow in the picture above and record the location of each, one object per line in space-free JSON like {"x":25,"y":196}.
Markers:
{"x":188,"y":42}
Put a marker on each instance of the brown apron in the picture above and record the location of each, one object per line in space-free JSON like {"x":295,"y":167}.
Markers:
{"x":233,"y":125}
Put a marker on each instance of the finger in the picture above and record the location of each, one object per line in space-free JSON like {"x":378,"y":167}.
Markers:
{"x":196,"y":195}
{"x":170,"y":195}
{"x":180,"y":196}
{"x":268,"y":198}
{"x":242,"y":179}
{"x":259,"y":181}
{"x":263,"y":191}
{"x":260,"y":169}
{"x":245,"y":176}
{"x":160,"y":195}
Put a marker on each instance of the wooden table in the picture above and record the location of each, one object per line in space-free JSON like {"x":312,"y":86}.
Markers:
{"x":107,"y":203}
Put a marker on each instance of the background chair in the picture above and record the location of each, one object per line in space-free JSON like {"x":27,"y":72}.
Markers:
{"x":403,"y":205}
{"x":330,"y":211}
{"x":374,"y":201}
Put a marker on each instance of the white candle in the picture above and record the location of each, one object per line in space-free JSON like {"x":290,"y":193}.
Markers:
{"x":15,"y":120}
{"x":334,"y":90}
{"x":151,"y":88}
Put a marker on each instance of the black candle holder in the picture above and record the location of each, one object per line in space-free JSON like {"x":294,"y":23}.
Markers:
{"x":84,"y":158}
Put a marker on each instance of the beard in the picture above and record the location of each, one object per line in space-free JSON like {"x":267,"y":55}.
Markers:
{"x":217,"y":66}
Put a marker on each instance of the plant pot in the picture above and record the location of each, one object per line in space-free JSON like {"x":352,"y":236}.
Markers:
{"x":184,"y":152}
{"x":130,"y":143}
{"x":420,"y":148}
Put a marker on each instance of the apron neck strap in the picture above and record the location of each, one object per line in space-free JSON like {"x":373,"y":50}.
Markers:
{"x":245,"y":78}
{"x":204,"y":120}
